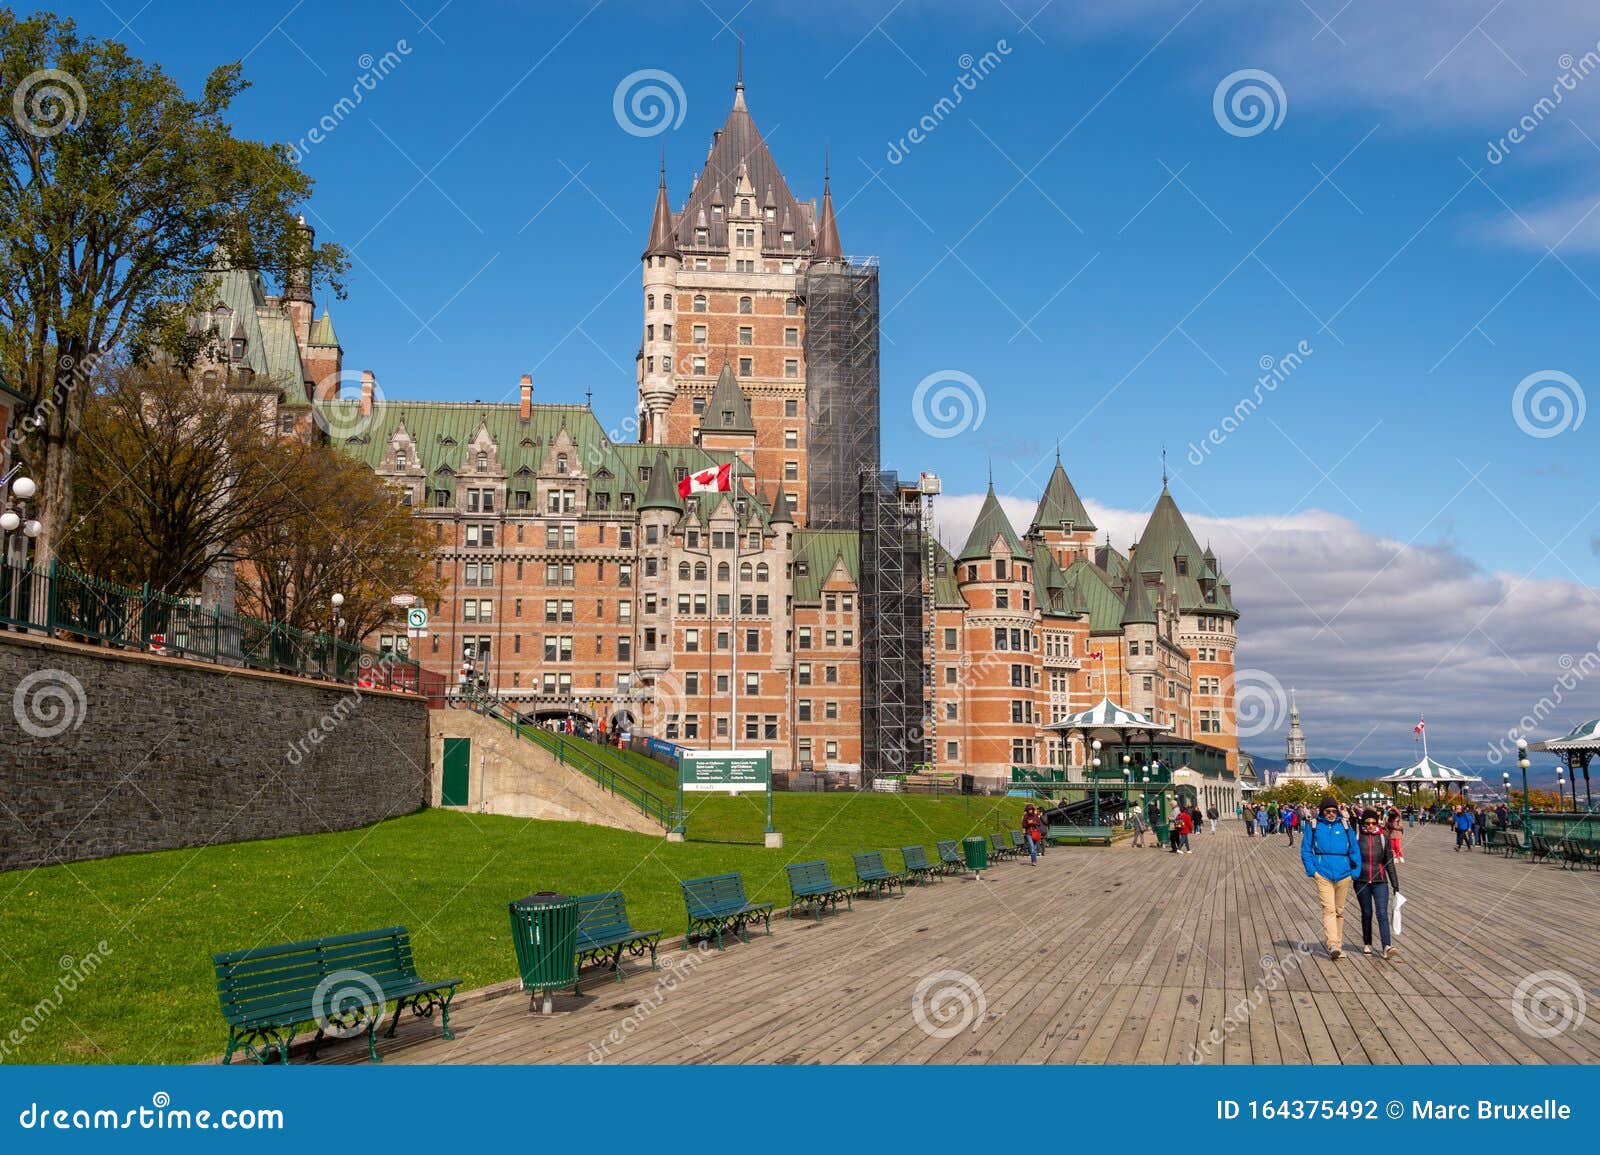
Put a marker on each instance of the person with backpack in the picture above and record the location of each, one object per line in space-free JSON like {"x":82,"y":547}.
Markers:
{"x":1373,"y":876}
{"x":1212,"y":815}
{"x":1032,"y":832}
{"x":1249,"y":816}
{"x":1331,"y":855}
{"x":1289,"y":820}
{"x":1461,"y":821}
{"x":1182,"y":827}
{"x":1138,"y":827}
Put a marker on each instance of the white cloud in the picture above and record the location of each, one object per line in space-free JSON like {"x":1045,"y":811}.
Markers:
{"x":1372,"y":632}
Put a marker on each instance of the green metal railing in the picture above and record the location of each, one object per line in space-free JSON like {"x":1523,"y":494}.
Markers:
{"x":64,"y":603}
{"x":582,"y":756}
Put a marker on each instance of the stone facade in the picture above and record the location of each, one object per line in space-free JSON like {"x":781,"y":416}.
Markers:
{"x":110,"y":753}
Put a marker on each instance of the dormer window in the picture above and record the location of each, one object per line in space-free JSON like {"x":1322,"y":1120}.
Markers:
{"x":1066,"y":525}
{"x":744,"y":206}
{"x":702,"y":236}
{"x":400,"y":459}
{"x":561,"y":463}
{"x":238,"y":348}
{"x":787,"y":237}
{"x":716,"y":210}
{"x":483,"y":462}
{"x":1182,"y":562}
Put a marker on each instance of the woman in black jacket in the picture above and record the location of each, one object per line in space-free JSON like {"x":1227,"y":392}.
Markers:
{"x":1372,"y":881}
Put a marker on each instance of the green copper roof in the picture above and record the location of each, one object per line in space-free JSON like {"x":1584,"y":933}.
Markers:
{"x":816,"y":552}
{"x":1099,"y":599}
{"x":1169,"y":545}
{"x":271,"y":351}
{"x":728,"y":409}
{"x":1136,"y":609}
{"x":663,"y":490}
{"x":946,"y":590}
{"x":1050,"y":591}
{"x":1060,"y":504}
{"x":992,"y":523}
{"x":322,"y":331}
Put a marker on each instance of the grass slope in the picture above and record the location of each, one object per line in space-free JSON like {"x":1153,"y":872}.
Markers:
{"x":446,"y":875}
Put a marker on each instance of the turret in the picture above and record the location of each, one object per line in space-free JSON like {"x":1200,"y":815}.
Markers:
{"x":657,"y":386}
{"x":658,"y":516}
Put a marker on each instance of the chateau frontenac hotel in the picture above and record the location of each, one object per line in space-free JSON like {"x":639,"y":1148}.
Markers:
{"x":809,"y":611}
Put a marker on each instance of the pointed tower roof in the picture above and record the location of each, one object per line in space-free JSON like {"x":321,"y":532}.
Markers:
{"x":1060,"y":503}
{"x":1166,"y":538}
{"x":728,"y":409}
{"x":322,"y":331}
{"x":663,"y":243}
{"x":781,"y":507}
{"x":992,"y":523}
{"x":739,"y":143}
{"x":661,"y":493}
{"x":827,"y":247}
{"x":1136,"y":609}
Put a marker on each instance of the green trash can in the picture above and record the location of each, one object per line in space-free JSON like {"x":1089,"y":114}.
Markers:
{"x":977,"y":852}
{"x":544,"y":927}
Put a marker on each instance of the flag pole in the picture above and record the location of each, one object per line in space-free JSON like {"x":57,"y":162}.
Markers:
{"x":733,"y":640}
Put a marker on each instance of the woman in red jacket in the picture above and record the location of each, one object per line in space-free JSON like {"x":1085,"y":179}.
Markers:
{"x":1373,"y":879}
{"x":1183,"y":826}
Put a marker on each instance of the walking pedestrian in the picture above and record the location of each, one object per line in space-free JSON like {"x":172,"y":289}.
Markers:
{"x":1249,"y":816}
{"x":1183,"y":824}
{"x":1138,"y":828}
{"x":1289,"y":818}
{"x":1332,"y":857}
{"x":1032,"y":832}
{"x":1480,"y":825}
{"x":1461,"y":820}
{"x":1211,"y":816}
{"x":1393,"y":827}
{"x":1375,"y":854}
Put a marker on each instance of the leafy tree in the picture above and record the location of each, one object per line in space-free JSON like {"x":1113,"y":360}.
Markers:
{"x":116,"y":191}
{"x":343,"y":533}
{"x":173,"y":473}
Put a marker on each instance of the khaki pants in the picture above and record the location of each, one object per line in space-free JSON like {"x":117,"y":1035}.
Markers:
{"x":1333,"y":895}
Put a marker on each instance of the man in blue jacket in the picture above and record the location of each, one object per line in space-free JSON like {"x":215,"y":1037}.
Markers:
{"x":1332,"y":856}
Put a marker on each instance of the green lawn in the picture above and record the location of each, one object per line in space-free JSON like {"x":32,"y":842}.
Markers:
{"x":446,"y":875}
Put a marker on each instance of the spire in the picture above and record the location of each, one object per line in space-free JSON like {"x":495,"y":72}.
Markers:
{"x":1136,"y":609}
{"x":992,"y":522}
{"x":738,"y":83}
{"x":780,"y":508}
{"x":1059,"y":504}
{"x":727,"y":409}
{"x":663,"y":242}
{"x":661,"y":493}
{"x":827,"y":245}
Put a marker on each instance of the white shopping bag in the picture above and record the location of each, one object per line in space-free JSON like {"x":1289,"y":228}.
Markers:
{"x":1394,"y":919}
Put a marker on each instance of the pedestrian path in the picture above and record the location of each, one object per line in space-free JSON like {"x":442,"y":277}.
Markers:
{"x":1101,"y":955}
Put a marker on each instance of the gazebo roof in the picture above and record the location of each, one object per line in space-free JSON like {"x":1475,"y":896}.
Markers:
{"x":1107,"y":715}
{"x":1583,"y":736}
{"x":1429,"y":771}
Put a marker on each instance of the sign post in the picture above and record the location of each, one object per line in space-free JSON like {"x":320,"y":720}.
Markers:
{"x":726,"y":772}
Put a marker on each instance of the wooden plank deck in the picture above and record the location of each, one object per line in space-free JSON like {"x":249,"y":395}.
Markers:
{"x":1097,"y":955}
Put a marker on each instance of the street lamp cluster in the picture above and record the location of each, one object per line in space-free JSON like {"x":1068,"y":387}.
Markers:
{"x":19,"y":517}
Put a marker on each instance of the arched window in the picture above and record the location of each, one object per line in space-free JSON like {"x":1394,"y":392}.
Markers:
{"x":744,"y":206}
{"x":683,"y":571}
{"x":649,"y":300}
{"x":561,"y":463}
{"x":666,"y":300}
{"x":746,"y":305}
{"x":762,"y":572}
{"x":722,"y":571}
{"x":699,"y":302}
{"x":746,"y":573}
{"x":483,"y":462}
{"x":699,"y":571}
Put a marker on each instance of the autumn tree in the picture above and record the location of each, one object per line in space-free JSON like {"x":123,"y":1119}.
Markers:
{"x":344,"y":532}
{"x":116,"y":193}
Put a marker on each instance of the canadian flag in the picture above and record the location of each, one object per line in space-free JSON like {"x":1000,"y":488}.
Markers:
{"x":718,"y":479}
{"x":1419,"y":727}
{"x":1096,"y":655}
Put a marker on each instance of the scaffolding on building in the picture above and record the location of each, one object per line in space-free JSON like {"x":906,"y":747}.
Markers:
{"x":892,"y":740}
{"x":842,"y":424}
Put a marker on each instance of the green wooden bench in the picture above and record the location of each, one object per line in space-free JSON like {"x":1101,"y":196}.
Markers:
{"x":1001,"y":848}
{"x":341,"y":984}
{"x":810,"y":884}
{"x":874,"y":875}
{"x":717,"y":903}
{"x":951,"y":860}
{"x":1540,"y":847}
{"x":1513,"y":844}
{"x":1080,"y":835}
{"x":917,"y":865}
{"x":604,"y":932}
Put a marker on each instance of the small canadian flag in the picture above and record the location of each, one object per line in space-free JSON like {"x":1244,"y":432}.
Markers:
{"x":717,"y":479}
{"x":1096,"y":655}
{"x":1419,"y":727}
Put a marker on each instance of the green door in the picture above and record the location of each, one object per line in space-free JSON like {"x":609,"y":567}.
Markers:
{"x":457,"y":766}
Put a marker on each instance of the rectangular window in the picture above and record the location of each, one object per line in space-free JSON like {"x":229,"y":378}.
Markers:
{"x":791,"y":368}
{"x":803,"y":710}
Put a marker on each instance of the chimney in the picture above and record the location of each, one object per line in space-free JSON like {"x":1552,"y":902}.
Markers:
{"x":527,"y":396}
{"x":367,"y":384}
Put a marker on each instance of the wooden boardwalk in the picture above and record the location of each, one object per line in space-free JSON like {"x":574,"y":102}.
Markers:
{"x":1099,"y":955}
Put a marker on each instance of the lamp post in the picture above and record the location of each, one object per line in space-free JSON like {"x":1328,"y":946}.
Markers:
{"x":1522,"y":764}
{"x":1561,"y":786}
{"x":337,"y":600}
{"x":13,"y":519}
{"x":1095,"y":774}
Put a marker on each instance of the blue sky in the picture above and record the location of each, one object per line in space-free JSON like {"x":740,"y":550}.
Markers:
{"x":1083,"y":237}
